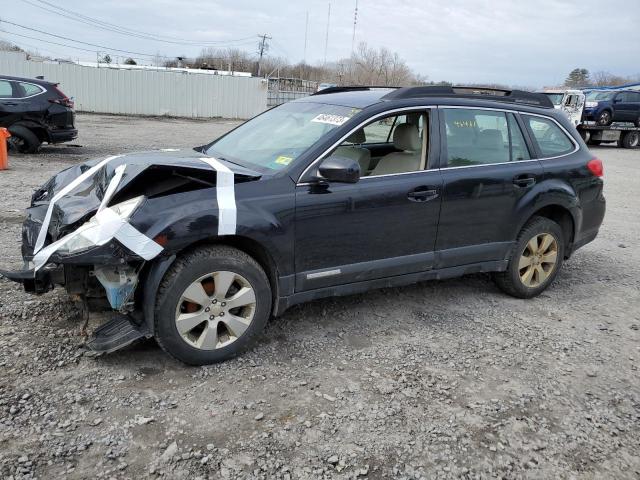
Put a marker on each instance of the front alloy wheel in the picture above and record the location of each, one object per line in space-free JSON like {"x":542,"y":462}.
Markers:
{"x":604,"y":118}
{"x":212,"y":302}
{"x":215,"y":310}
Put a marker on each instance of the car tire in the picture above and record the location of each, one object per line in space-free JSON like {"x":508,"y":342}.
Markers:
{"x":535,"y":259}
{"x":203,"y":275}
{"x":594,"y":142}
{"x":630,"y":139}
{"x":23,"y":140}
{"x":605,"y":118}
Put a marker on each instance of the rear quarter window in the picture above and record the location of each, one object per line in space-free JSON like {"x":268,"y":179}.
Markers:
{"x":5,"y":89}
{"x":551,"y":139}
{"x":30,"y":89}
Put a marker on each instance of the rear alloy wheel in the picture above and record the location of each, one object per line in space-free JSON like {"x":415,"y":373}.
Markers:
{"x":22,"y":140}
{"x":534,"y":261}
{"x":538,"y":260}
{"x":212,"y":302}
{"x":604,"y":118}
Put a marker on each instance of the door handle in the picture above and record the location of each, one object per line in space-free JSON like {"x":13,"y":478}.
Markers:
{"x":524,"y":181}
{"x":419,"y":195}
{"x":10,"y":104}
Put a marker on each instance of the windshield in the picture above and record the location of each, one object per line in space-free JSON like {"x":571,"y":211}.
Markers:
{"x":274,"y":140}
{"x":595,"y":96}
{"x":556,"y":98}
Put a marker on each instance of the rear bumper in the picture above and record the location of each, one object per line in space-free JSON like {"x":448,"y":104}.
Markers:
{"x":62,"y":135}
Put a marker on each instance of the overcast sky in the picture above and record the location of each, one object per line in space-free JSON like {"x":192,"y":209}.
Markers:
{"x":518,"y":42}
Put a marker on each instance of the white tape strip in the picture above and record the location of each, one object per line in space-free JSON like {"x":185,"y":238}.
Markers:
{"x":102,"y":228}
{"x":111,"y":189}
{"x":42,"y":235}
{"x":226,"y":197}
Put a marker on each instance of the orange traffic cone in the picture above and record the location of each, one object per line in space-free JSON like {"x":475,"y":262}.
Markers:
{"x":4,"y":158}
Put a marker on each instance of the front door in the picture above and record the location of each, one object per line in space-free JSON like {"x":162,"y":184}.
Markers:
{"x":383,"y":225}
{"x":486,"y":170}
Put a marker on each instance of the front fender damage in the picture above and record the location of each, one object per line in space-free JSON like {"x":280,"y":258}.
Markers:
{"x":114,"y":255}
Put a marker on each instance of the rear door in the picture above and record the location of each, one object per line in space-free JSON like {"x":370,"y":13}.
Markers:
{"x":625,"y":109}
{"x":487,"y":169}
{"x":9,"y":105}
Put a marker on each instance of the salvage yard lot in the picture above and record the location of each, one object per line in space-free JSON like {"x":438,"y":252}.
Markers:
{"x":438,"y":380}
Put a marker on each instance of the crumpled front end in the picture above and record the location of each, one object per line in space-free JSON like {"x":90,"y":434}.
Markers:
{"x":93,"y":227}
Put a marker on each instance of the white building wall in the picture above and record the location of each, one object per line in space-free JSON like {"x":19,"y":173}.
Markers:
{"x":146,"y":92}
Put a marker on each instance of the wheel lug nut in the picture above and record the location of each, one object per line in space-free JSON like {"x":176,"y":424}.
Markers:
{"x":214,"y":301}
{"x":222,"y":314}
{"x":223,"y":304}
{"x":212,"y":317}
{"x":207,"y":309}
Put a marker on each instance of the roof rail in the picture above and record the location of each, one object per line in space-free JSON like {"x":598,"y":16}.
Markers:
{"x":353,"y":88}
{"x":495,"y":94}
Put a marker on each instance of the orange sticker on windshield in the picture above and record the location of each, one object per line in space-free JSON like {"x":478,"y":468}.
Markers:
{"x":282,"y":160}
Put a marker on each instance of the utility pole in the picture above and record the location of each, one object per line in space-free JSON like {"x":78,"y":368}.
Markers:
{"x":355,"y":22}
{"x":263,"y":46}
{"x":326,"y":39}
{"x":306,"y":33}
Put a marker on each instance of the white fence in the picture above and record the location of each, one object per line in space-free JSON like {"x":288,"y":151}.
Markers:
{"x":146,"y":92}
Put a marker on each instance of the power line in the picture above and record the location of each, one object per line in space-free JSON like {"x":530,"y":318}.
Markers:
{"x":47,"y":41}
{"x":55,"y":9}
{"x":77,"y":41}
{"x":101,"y":47}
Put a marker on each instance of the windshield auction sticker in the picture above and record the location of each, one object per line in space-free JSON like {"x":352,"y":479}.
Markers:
{"x":330,"y":119}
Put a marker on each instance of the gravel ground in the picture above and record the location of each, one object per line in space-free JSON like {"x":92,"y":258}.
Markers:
{"x":446,"y":379}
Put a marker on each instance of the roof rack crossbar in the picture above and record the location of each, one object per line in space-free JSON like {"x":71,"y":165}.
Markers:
{"x":495,"y":94}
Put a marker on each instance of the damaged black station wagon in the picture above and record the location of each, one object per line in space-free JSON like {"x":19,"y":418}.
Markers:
{"x":346,"y":190}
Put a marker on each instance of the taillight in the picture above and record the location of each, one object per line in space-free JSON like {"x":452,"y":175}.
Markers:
{"x":595,"y":167}
{"x":64,"y":100}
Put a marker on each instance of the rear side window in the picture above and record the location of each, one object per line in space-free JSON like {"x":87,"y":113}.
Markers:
{"x":30,"y":89}
{"x":482,"y":137}
{"x":5,"y":89}
{"x":551,"y":140}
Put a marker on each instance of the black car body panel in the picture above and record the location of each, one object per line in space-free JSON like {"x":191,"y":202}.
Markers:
{"x":48,"y":112}
{"x":316,"y":238}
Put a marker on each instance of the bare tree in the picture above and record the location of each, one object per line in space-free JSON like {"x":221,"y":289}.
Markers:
{"x":603,"y":79}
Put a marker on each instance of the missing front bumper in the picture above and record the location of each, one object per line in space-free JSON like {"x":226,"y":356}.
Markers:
{"x":35,"y":282}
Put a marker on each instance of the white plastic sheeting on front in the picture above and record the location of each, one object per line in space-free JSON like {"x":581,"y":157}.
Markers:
{"x":146,"y":92}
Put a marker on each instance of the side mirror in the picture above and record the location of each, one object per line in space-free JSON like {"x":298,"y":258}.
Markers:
{"x":340,"y":169}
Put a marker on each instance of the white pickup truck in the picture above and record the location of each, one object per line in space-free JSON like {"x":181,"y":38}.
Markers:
{"x":570,"y":102}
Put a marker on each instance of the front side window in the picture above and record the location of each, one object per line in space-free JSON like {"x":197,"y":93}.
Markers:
{"x":551,"y":140}
{"x":482,"y":137}
{"x":390,"y":145}
{"x":275,"y":139}
{"x":30,"y":89}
